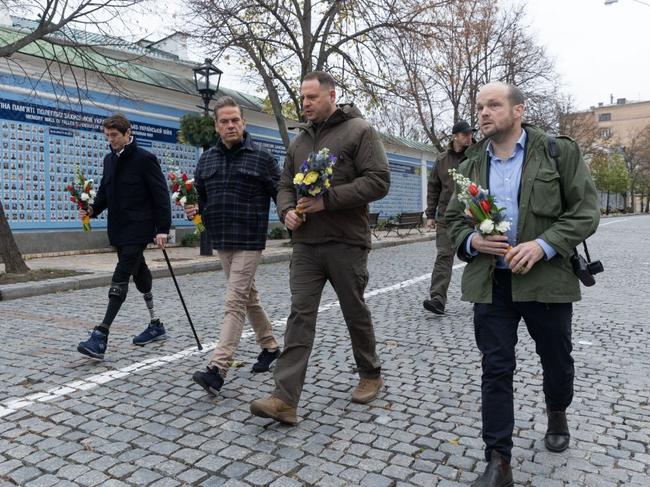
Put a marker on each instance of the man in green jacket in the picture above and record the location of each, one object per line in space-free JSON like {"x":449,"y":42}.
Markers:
{"x":331,"y":237}
{"x":526,"y":273}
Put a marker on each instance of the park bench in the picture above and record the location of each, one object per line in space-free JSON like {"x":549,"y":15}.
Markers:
{"x":405,"y":221}
{"x":373,"y":220}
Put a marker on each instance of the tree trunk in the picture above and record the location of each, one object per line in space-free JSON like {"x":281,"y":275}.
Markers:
{"x":13,"y":260}
{"x":607,"y":204}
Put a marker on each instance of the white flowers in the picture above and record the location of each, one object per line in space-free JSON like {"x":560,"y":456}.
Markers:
{"x":502,"y":226}
{"x":183,"y":200}
{"x":486,"y":227}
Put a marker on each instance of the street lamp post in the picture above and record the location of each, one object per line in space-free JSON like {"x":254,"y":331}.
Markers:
{"x":206,"y":80}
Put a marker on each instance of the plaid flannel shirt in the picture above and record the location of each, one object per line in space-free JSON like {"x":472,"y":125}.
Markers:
{"x":234,"y":197}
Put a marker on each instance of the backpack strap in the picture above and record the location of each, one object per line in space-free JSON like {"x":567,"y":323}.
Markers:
{"x":554,"y":152}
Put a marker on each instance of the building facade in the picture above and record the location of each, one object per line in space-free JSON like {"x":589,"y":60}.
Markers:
{"x":622,"y":120}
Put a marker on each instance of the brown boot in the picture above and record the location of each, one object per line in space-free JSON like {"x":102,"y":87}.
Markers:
{"x":274,"y":408}
{"x":367,"y":390}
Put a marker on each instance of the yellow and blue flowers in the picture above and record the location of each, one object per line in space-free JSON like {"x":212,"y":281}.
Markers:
{"x":315,"y":176}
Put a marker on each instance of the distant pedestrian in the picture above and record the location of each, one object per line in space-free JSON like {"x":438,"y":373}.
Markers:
{"x":134,"y":191}
{"x":236,"y":180}
{"x":439,"y":191}
{"x":527,"y":273}
{"x":331,"y":236}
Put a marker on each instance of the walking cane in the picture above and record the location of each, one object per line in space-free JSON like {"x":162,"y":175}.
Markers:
{"x":171,"y":271}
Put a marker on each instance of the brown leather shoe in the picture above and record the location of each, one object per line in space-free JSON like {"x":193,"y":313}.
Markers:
{"x":367,"y":390}
{"x":497,"y":473}
{"x":274,"y":408}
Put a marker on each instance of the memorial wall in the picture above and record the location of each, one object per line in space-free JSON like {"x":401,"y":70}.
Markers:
{"x":43,"y":145}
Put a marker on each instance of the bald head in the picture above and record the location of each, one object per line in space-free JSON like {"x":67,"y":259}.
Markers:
{"x":500,"y":109}
{"x":514,"y":94}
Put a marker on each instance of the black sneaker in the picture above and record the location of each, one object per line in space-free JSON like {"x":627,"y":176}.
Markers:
{"x":433,"y":306}
{"x":154,"y":332}
{"x":264,"y":360}
{"x":211,"y":380}
{"x":95,"y":346}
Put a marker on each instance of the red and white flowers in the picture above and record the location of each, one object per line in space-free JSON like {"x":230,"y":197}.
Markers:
{"x":480,"y":209}
{"x":83,"y":195}
{"x":184,"y":193}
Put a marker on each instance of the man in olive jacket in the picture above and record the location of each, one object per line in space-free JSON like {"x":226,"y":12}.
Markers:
{"x":439,"y":190}
{"x":331,"y":236}
{"x":552,"y":207}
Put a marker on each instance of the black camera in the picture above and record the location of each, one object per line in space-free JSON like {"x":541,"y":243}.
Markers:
{"x":585,"y":270}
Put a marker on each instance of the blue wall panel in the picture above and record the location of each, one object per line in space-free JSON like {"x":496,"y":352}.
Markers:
{"x":43,"y":144}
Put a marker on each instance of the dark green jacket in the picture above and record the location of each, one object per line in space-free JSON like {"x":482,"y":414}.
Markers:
{"x":360,"y":175}
{"x":542,"y":214}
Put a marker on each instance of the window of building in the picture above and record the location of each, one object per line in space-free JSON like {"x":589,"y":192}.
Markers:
{"x":606,"y":133}
{"x":604,"y":117}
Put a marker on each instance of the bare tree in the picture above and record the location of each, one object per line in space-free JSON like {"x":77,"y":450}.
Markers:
{"x":579,"y":125}
{"x":474,"y":42}
{"x":60,"y":37}
{"x":637,"y":158}
{"x":280,"y":41}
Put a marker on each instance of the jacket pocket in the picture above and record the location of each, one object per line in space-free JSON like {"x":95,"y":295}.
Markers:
{"x":546,"y":197}
{"x":248,"y":182}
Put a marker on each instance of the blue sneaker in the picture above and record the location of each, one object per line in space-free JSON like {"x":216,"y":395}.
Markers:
{"x":95,"y":346}
{"x":154,"y":332}
{"x":264,"y":360}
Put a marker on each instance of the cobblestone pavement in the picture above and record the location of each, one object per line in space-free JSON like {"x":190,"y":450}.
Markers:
{"x":137,"y":418}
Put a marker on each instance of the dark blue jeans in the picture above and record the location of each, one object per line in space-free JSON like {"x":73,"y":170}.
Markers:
{"x":495,"y":329}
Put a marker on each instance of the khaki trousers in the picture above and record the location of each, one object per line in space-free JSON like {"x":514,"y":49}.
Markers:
{"x":346,"y":268}
{"x":241,"y":300}
{"x":441,"y":275}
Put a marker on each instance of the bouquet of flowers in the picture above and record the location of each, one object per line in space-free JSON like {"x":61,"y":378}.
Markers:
{"x":480,"y":209}
{"x":82,"y":193}
{"x":184,"y":193}
{"x":315,"y":175}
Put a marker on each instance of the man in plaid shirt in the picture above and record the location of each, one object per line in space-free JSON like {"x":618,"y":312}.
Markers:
{"x":236,"y":179}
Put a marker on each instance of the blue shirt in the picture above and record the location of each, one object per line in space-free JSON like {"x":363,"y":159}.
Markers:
{"x":505,"y":179}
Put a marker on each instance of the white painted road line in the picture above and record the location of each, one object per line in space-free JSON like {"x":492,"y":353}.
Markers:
{"x":617,"y":220}
{"x":10,"y":406}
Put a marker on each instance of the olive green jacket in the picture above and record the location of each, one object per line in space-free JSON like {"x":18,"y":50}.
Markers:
{"x":558,"y":203}
{"x":360,"y":175}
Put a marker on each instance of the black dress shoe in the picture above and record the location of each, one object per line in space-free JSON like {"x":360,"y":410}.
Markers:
{"x":497,"y":473}
{"x":557,"y":434}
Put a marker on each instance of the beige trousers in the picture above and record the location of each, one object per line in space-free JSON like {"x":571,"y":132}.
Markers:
{"x":241,"y":300}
